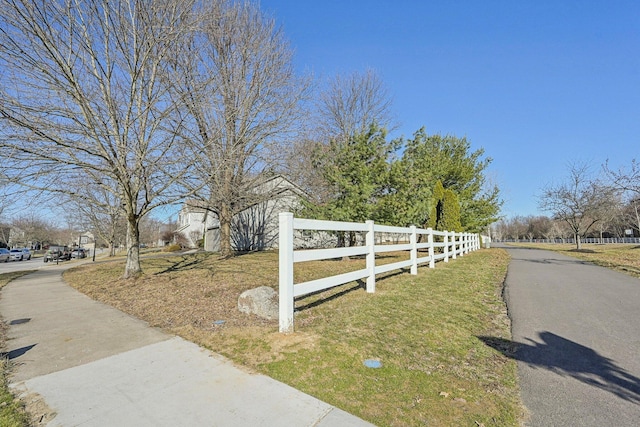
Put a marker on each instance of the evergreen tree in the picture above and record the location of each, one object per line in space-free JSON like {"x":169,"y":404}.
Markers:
{"x":445,"y":209}
{"x":356,"y":171}
{"x":451,"y":211}
{"x":437,"y":207}
{"x":450,"y":160}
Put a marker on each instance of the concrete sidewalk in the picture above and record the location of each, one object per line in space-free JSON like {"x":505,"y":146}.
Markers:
{"x":95,"y":366}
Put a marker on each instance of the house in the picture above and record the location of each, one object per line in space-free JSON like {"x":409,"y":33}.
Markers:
{"x":253,"y":229}
{"x":87,"y":241}
{"x":193,"y":221}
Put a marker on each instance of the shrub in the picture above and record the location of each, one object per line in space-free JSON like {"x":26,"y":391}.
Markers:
{"x":172,"y":248}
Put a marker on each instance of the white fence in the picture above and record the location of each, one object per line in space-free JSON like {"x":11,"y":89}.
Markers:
{"x":588,"y":240}
{"x":451,"y":244}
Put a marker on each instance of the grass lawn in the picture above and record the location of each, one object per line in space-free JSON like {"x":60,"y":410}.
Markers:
{"x":621,"y":257}
{"x":423,"y":329}
{"x":12,"y":413}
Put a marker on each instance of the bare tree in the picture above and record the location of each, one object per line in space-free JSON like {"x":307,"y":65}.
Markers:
{"x":352,"y":103}
{"x":580,"y":201}
{"x":97,"y":209}
{"x":37,"y":232}
{"x":630,"y":215}
{"x":84,"y":96}
{"x":241,"y":98}
{"x":627,"y":180}
{"x":347,"y":106}
{"x":150,"y":229}
{"x":181,"y":239}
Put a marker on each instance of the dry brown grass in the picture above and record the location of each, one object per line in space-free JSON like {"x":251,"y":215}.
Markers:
{"x":180,"y":291}
{"x":190,"y":295}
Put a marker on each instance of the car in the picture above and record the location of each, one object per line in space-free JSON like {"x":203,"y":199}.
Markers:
{"x":78,"y":253}
{"x":4,"y":255}
{"x":26,"y":254}
{"x":57,"y":253}
{"x":16,"y":254}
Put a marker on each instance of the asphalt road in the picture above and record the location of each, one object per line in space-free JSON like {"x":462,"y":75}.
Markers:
{"x":576,"y":333}
{"x":11,"y":266}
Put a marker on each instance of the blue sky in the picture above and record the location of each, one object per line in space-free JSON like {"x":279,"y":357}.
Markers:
{"x":538,"y":84}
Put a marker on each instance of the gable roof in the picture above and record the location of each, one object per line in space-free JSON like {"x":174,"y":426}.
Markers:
{"x":279,"y":188}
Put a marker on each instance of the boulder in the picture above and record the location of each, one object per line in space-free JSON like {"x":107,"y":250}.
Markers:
{"x":262,"y":302}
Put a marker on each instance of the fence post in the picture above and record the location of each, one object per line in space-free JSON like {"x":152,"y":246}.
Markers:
{"x":446,"y":246}
{"x":454,"y":252}
{"x":463,"y":244}
{"x":414,"y":250}
{"x":432,"y":262}
{"x":285,"y":273}
{"x":370,"y":241}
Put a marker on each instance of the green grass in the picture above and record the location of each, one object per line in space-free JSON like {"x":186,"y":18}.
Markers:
{"x":424,"y":330}
{"x":12,"y":413}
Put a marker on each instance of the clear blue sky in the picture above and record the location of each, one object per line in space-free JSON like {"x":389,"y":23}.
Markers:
{"x":536,"y":83}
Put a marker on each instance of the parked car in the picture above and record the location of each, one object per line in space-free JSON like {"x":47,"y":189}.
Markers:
{"x":4,"y":255}
{"x":16,"y":254}
{"x":26,"y":254}
{"x":57,"y":253}
{"x":78,"y":253}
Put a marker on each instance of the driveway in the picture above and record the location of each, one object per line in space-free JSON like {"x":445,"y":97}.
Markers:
{"x":576,"y":332}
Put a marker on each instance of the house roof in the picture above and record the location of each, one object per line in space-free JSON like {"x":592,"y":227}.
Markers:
{"x":197,"y":205}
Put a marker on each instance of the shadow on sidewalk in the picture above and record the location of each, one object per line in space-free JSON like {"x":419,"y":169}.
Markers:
{"x":16,"y":353}
{"x":567,"y":358}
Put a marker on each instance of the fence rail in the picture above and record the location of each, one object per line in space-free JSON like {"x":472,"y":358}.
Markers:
{"x":450,"y":245}
{"x":588,"y":240}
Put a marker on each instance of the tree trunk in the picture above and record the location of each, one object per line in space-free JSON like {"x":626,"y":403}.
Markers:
{"x":225,"y":231}
{"x":132,"y":267}
{"x":578,"y":242}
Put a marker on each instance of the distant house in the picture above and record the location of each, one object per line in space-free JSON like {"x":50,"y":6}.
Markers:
{"x":253,"y":229}
{"x":88,"y":241}
{"x":194,"y":220}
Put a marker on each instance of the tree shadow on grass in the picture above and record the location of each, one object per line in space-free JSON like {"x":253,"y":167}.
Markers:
{"x":567,"y":358}
{"x":348,"y":288}
{"x":183,"y":264}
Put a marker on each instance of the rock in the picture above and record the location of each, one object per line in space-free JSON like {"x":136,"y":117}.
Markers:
{"x":262,"y":302}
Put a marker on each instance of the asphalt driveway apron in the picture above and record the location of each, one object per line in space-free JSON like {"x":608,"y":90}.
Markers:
{"x":576,"y":330}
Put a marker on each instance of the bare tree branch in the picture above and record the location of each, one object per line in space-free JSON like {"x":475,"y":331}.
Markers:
{"x":240,"y":100}
{"x":84,"y":95}
{"x":580,"y":201}
{"x":352,"y":103}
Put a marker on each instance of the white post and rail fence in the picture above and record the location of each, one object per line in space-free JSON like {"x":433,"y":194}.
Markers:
{"x":450,"y":244}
